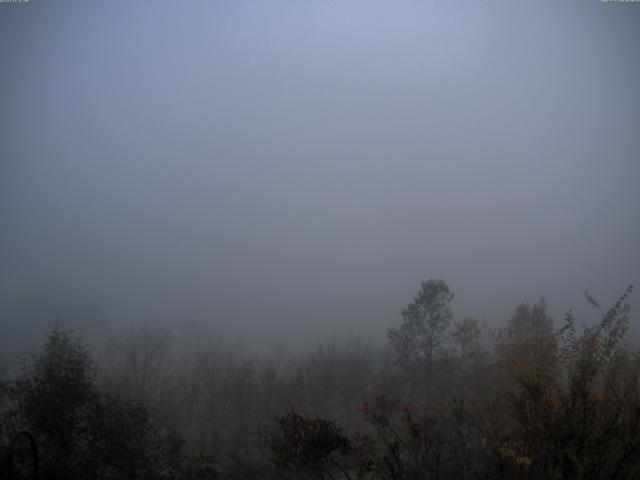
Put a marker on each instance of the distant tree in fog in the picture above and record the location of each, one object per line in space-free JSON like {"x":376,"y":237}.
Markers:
{"x":423,"y":329}
{"x":140,"y":362}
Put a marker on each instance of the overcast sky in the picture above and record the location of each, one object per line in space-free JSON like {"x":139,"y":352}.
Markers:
{"x":286,"y":170}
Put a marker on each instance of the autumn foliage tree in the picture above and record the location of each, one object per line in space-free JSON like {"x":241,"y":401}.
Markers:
{"x":560,"y":404}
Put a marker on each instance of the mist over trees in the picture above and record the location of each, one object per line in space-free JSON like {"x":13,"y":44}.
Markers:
{"x":231,"y":233}
{"x":445,"y":398}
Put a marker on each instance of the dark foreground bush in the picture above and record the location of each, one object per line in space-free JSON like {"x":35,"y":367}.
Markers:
{"x":80,"y":432}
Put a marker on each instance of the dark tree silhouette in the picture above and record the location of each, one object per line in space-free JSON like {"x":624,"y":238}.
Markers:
{"x":81,"y":431}
{"x":422,"y":331}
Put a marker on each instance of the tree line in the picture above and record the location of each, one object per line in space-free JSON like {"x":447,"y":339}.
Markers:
{"x":443,"y":399}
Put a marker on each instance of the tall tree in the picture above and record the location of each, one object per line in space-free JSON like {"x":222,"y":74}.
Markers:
{"x":423,"y":329}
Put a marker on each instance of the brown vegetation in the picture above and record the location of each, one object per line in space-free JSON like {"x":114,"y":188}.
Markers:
{"x":449,"y":400}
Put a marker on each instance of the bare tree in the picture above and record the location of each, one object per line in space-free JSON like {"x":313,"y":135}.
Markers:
{"x":140,"y":363}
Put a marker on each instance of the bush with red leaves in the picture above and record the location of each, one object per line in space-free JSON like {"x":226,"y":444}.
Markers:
{"x":309,"y":444}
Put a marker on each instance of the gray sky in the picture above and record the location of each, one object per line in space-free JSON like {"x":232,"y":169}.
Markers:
{"x":285,"y":170}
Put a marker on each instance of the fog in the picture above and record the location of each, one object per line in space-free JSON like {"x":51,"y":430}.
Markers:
{"x":284,"y":171}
